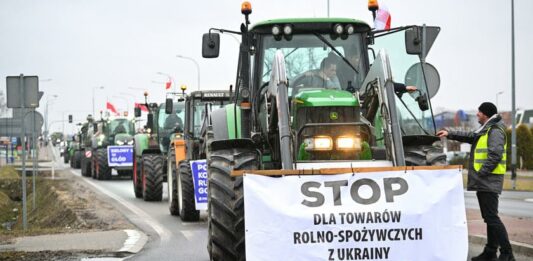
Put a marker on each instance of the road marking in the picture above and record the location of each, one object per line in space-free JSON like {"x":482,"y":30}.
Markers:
{"x":528,"y":200}
{"x":188,"y":234}
{"x":163,"y":233}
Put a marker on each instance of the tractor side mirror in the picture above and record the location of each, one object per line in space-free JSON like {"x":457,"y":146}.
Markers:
{"x":137,"y":112}
{"x":210,"y":45}
{"x":419,"y":39}
{"x":423,"y":74}
{"x":168,"y":106}
{"x":150,"y":120}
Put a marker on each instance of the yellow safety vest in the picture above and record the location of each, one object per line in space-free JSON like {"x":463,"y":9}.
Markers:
{"x":481,"y":153}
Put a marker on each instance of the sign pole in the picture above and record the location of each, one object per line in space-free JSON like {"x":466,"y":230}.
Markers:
{"x":35,"y":156}
{"x":23,"y":140}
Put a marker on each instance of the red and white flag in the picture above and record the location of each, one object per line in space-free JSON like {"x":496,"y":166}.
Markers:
{"x":383,"y":18}
{"x":111,"y":108}
{"x":168,"y":84}
{"x":141,"y":106}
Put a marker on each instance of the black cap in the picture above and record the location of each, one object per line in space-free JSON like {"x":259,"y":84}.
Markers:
{"x":488,"y":108}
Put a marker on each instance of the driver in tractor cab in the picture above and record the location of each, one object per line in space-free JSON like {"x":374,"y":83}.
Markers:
{"x":120,"y":129}
{"x":325,"y":77}
{"x":173,"y":122}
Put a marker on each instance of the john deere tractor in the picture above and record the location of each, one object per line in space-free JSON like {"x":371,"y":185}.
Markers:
{"x":188,"y":147}
{"x":117,"y":132}
{"x":293,"y":112}
{"x":151,"y":146}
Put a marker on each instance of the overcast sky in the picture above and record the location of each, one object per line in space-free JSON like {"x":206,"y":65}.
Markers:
{"x":121,"y":44}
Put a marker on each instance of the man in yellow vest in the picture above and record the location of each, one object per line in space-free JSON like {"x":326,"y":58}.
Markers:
{"x":485,"y":175}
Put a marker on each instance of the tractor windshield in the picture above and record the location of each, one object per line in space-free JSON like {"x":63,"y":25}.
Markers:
{"x":199,"y":114}
{"x":169,"y":122}
{"x":314,"y":61}
{"x":124,"y":126}
{"x":413,"y":120}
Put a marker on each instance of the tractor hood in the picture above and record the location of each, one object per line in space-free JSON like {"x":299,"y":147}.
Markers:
{"x":325,"y":97}
{"x":123,"y":139}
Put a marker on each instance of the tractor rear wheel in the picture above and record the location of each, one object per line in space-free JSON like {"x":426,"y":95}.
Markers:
{"x":173,"y":200}
{"x":137,"y":177}
{"x":226,"y":202}
{"x":104,"y":172}
{"x":65,"y":157}
{"x":188,"y":210}
{"x":152,"y":174}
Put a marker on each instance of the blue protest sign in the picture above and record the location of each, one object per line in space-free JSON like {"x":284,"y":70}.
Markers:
{"x":120,"y":156}
{"x":199,"y":177}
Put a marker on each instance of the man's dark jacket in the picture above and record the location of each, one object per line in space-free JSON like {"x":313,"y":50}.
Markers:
{"x":484,"y":180}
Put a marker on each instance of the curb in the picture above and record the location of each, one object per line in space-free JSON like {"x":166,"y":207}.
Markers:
{"x":518,"y":248}
{"x":134,"y":243}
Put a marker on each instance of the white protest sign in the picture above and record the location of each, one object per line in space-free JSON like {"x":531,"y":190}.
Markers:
{"x":391,"y":215}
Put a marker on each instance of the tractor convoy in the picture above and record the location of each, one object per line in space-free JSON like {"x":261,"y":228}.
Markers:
{"x":310,"y":93}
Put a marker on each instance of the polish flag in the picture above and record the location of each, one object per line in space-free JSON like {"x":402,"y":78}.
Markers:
{"x":141,"y":106}
{"x":110,"y":107}
{"x":168,"y":84}
{"x":383,"y":18}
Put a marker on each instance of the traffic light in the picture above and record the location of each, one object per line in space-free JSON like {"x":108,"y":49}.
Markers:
{"x":70,"y":118}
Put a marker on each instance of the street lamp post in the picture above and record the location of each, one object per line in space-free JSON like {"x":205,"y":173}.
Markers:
{"x":513,"y":105}
{"x":497,"y":95}
{"x":54,"y":96}
{"x":195,"y":62}
{"x":94,"y":88}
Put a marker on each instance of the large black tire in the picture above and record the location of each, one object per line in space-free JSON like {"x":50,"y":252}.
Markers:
{"x":85,"y":166}
{"x":188,"y":210}
{"x":77,"y":159}
{"x":65,"y":157}
{"x":137,"y":178}
{"x":173,"y":200}
{"x":152,"y":172}
{"x":226,"y":202}
{"x":103,"y":172}
{"x":424,"y":155}
{"x":72,"y":160}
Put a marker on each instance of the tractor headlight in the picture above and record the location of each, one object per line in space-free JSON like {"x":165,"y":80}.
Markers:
{"x":350,"y":29}
{"x":148,"y":130}
{"x":318,"y":143}
{"x":130,"y":142}
{"x":287,"y":29}
{"x":348,"y":143}
{"x":338,"y":29}
{"x":276,"y":30}
{"x":120,"y":142}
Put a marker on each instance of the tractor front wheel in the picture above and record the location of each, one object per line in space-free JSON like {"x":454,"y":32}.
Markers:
{"x":188,"y":210}
{"x":226,"y":202}
{"x":137,"y":177}
{"x":173,"y":200}
{"x":152,"y":177}
{"x":104,"y":172}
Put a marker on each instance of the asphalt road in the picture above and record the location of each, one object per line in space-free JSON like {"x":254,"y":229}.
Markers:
{"x":171,"y":239}
{"x":512,"y":203}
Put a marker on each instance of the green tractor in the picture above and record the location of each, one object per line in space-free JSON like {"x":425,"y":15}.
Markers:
{"x":74,"y":151}
{"x":152,"y":146}
{"x":320,"y":94}
{"x":89,"y":129}
{"x":189,"y":147}
{"x":115,"y":136}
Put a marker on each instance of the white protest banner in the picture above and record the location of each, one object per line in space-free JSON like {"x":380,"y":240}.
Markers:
{"x":389,"y":215}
